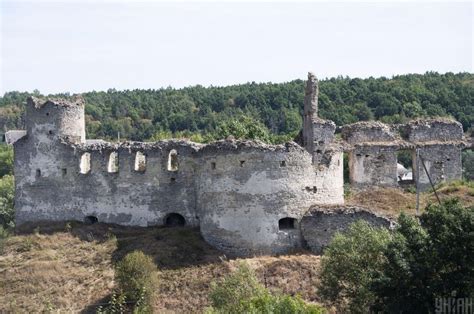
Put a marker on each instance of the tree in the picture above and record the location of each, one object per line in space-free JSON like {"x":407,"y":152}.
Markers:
{"x":6,"y":160}
{"x":7,"y":195}
{"x":428,"y":259}
{"x":468,"y":164}
{"x":413,"y":110}
{"x":366,"y":269}
{"x":350,"y":264}
{"x":243,"y":128}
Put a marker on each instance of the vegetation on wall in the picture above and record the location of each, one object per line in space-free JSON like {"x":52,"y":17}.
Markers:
{"x":274,"y":109}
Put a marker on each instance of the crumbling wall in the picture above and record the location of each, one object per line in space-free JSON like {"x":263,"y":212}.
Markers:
{"x":372,"y":157}
{"x":439,"y":129}
{"x":320,"y":223}
{"x":245,"y":188}
{"x":443,"y":162}
{"x":373,"y":148}
{"x":367,"y":132}
{"x":126,"y":197}
{"x":318,"y":134}
{"x":439,"y":143}
{"x":373,"y":165}
{"x":56,"y":118}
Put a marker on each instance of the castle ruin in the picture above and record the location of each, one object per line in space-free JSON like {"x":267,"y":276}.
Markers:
{"x":246,"y":197}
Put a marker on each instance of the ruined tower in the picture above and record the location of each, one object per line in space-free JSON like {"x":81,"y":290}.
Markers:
{"x":317,"y":133}
{"x":56,"y":118}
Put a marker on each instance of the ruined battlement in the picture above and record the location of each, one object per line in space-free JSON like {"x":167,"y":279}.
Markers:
{"x":368,"y":131}
{"x":247,"y":197}
{"x":440,"y":129}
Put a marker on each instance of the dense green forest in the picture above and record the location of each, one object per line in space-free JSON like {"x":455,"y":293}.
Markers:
{"x":271,"y":111}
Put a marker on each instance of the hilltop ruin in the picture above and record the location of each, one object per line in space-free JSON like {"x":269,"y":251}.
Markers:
{"x":246,"y":197}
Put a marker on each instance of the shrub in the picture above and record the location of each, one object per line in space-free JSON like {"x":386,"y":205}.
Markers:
{"x":6,"y":160}
{"x":7,"y":195}
{"x":240,"y":292}
{"x":468,"y":164}
{"x":349,"y":265}
{"x":234,"y":289}
{"x":370,"y":270}
{"x":136,"y":276}
{"x":429,"y":259}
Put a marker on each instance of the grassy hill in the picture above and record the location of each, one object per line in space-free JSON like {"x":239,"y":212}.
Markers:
{"x":69,"y":266}
{"x":71,"y":270}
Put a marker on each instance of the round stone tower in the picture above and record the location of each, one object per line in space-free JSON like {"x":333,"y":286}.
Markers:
{"x":56,"y":118}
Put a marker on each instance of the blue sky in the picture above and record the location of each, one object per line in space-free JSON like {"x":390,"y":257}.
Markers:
{"x":82,"y":46}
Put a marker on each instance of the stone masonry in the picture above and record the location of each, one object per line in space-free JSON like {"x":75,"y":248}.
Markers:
{"x":246,"y":197}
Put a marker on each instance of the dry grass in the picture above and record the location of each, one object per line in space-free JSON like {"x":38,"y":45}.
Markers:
{"x":69,"y":268}
{"x":73,"y":271}
{"x":391,"y":201}
{"x":43,"y":272}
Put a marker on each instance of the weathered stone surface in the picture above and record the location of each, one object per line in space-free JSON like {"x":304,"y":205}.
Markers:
{"x":12,"y":136}
{"x":367,"y":131}
{"x":235,"y":191}
{"x":320,"y":223}
{"x":440,"y":129}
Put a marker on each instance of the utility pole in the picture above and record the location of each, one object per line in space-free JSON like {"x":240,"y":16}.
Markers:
{"x":417,"y":178}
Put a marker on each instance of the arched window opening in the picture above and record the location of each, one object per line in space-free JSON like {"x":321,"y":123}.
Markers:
{"x":90,"y":220}
{"x":287,"y":223}
{"x":405,"y":168}
{"x":174,"y":220}
{"x":173,"y":160}
{"x":140,"y":162}
{"x":38,"y":173}
{"x":85,"y":164}
{"x":113,"y":165}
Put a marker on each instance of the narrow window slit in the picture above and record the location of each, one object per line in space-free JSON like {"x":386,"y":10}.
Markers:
{"x":113,"y":164}
{"x":140,"y":162}
{"x":173,"y":160}
{"x":85,"y":163}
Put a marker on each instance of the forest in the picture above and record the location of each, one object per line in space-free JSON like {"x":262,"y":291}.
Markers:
{"x":268,"y":111}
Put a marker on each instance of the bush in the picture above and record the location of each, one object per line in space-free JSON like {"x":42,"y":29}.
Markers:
{"x":136,"y":276}
{"x":6,"y":160}
{"x":7,"y":195}
{"x":240,"y":292}
{"x":367,"y":269}
{"x":349,"y":265}
{"x":468,"y":164}
{"x":234,"y":289}
{"x":429,"y":259}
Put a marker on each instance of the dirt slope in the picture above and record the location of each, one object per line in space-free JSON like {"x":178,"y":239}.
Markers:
{"x":69,"y":267}
{"x":71,"y":271}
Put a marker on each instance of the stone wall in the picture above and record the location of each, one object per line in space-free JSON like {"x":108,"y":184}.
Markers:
{"x":245,"y":189}
{"x":373,"y":146}
{"x":319,"y":225}
{"x":247,"y":197}
{"x":235,"y":191}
